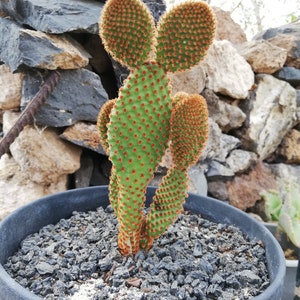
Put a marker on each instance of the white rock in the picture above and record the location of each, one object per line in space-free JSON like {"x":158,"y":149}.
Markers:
{"x":42,"y":154}
{"x":11,"y":88}
{"x":273,"y":114}
{"x":227,"y":71}
{"x":16,"y":189}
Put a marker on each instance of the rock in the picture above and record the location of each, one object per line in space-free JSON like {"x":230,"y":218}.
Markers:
{"x":218,"y":170}
{"x":219,"y":145}
{"x":289,"y":74}
{"x":244,"y":190}
{"x":227,"y":71}
{"x":36,"y":49}
{"x":11,"y":88}
{"x":16,"y":189}
{"x":271,"y":113}
{"x":228,"y":29}
{"x":218,"y":190}
{"x":227,"y":116}
{"x":239,"y":161}
{"x":84,"y":135}
{"x":191,"y":81}
{"x":41,"y":154}
{"x":99,"y":60}
{"x":56,"y":16}
{"x":65,"y":107}
{"x":157,"y":8}
{"x":84,"y":173}
{"x":287,"y":37}
{"x":289,"y":148}
{"x":264,"y":57}
{"x":197,"y":182}
{"x":285,"y":173}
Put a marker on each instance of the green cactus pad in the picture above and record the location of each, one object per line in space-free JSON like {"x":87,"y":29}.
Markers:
{"x":166,"y":205}
{"x":189,"y":129}
{"x":127,"y":31}
{"x":184,"y":35}
{"x":138,"y":133}
{"x":103,"y":120}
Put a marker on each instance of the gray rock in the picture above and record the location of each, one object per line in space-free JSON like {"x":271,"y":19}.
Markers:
{"x":64,"y":106}
{"x":197,"y":183}
{"x":289,"y":74}
{"x":240,"y":161}
{"x":227,"y":116}
{"x":55,"y":16}
{"x":45,"y":268}
{"x":217,"y":170}
{"x":219,"y":145}
{"x":23,"y":48}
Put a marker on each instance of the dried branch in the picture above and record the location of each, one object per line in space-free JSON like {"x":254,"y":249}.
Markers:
{"x":32,"y":107}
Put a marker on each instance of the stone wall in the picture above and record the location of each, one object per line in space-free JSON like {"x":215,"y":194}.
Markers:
{"x":252,"y":90}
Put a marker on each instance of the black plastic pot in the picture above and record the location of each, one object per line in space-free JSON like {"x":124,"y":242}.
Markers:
{"x":51,"y":209}
{"x":291,"y":264}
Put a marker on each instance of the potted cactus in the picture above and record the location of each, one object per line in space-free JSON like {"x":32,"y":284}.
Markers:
{"x":135,"y":130}
{"x":285,"y":211}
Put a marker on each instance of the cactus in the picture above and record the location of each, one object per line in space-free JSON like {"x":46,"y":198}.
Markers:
{"x":135,"y":129}
{"x":285,"y":210}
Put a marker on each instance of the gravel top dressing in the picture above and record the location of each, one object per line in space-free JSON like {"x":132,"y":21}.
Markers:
{"x":195,"y":259}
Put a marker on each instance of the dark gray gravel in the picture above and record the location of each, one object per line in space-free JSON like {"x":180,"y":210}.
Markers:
{"x":195,"y":259}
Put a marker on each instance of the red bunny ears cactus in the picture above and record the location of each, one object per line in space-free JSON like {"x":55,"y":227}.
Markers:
{"x":135,"y":128}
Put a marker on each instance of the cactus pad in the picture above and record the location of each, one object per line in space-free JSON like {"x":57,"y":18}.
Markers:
{"x":103,"y":119}
{"x":189,"y":129}
{"x":127,"y":31}
{"x":138,"y":133}
{"x":184,"y":35}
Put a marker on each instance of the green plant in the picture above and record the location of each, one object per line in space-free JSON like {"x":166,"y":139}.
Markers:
{"x":285,"y":210}
{"x":136,"y":128}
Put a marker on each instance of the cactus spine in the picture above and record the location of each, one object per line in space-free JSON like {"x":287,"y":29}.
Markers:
{"x":136,"y":127}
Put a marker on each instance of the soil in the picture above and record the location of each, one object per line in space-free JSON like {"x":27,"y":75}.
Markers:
{"x":195,"y":259}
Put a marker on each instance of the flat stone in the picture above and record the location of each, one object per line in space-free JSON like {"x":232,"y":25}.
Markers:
{"x":41,"y":154}
{"x":228,"y":73}
{"x":289,"y":74}
{"x":78,"y":96}
{"x":11,"y":88}
{"x":56,"y":16}
{"x":84,"y":135}
{"x":263,"y":56}
{"x":36,"y":49}
{"x":244,"y":190}
{"x":270,"y":115}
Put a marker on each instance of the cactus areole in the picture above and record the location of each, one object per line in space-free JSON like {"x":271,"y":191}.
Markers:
{"x":136,"y":128}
